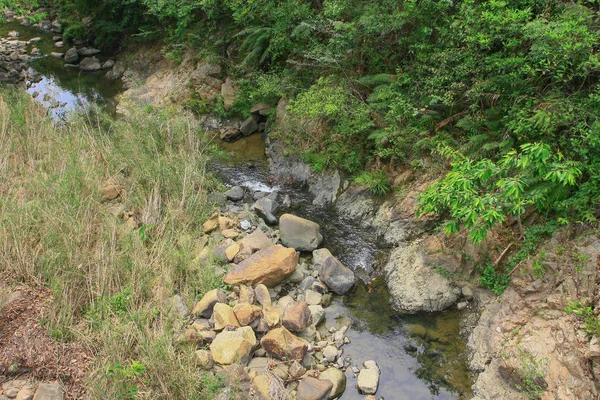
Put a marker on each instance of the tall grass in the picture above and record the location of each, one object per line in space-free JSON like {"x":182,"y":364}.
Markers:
{"x":109,"y":264}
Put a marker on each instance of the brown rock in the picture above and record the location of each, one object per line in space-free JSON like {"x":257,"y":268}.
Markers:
{"x":231,"y":251}
{"x":205,"y":306}
{"x":313,"y":389}
{"x":296,"y":316}
{"x":262,"y":295}
{"x":282,"y":344}
{"x":262,"y":385}
{"x":204,"y":359}
{"x":269,"y":267}
{"x":246,"y":313}
{"x":224,"y":317}
{"x":226,"y":223}
{"x":271,"y":317}
{"x":231,"y":347}
{"x":211,"y":224}
{"x":247,"y":294}
{"x":230,"y":233}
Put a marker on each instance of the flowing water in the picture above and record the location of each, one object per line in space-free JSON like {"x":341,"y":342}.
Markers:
{"x":420,"y":356}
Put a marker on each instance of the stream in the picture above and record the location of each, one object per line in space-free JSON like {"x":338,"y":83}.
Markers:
{"x":421,"y":356}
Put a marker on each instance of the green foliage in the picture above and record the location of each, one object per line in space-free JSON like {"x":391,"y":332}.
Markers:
{"x":531,"y":373}
{"x":532,"y":237}
{"x":121,"y":376}
{"x":497,"y":282}
{"x":586,"y":313}
{"x":377,"y":182}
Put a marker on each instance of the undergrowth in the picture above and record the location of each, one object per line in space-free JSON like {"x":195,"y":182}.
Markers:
{"x":109,"y":265}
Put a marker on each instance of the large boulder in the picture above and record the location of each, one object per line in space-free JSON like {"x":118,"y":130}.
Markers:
{"x":269,"y":267}
{"x":336,"y":276}
{"x":299,"y":233}
{"x":233,"y":347}
{"x":249,"y":126}
{"x":90,"y":64}
{"x":282,"y":344}
{"x":414,"y":285}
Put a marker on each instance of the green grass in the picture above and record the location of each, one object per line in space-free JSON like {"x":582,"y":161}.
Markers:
{"x":111,"y":264}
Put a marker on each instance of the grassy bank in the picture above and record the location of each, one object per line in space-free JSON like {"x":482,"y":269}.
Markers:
{"x":109,"y":263}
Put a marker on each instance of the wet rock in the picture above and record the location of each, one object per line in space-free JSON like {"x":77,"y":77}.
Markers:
{"x":338,"y":378}
{"x":231,"y":347}
{"x":236,"y":193}
{"x":296,"y":316}
{"x":49,"y":391}
{"x":269,"y":267}
{"x":246,"y":313}
{"x":299,"y":233}
{"x":224,"y":317}
{"x":204,"y":359}
{"x":88,"y":51}
{"x":368,"y":378}
{"x":330,"y":353}
{"x":71,"y":56}
{"x":266,"y":208}
{"x":249,"y":126}
{"x":284,"y":345}
{"x":336,"y":276}
{"x":314,"y":389}
{"x":414,"y":285}
{"x":90,"y":64}
{"x":206,"y":305}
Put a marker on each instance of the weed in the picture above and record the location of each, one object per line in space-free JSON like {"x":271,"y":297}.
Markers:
{"x":531,"y":373}
{"x":377,"y":182}
{"x":586,"y":313}
{"x":497,"y":282}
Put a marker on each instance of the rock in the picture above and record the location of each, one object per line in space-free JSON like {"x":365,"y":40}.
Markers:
{"x":314,"y":389}
{"x":204,"y":359}
{"x":247,"y":294}
{"x":265,"y":208}
{"x":413,"y":284}
{"x":286,"y":202}
{"x":206,"y":305}
{"x":338,"y":378}
{"x":46,"y":25}
{"x":262,"y":385}
{"x":262,"y":295}
{"x":48,"y":391}
{"x":296,"y":370}
{"x":59,"y":44}
{"x":231,"y":251}
{"x":224,"y":317}
{"x":88,"y":51}
{"x":229,"y":133}
{"x":56,"y":55}
{"x":330,"y":353}
{"x":228,"y":93}
{"x":261,"y":109}
{"x":317,"y":314}
{"x":211,"y":224}
{"x":257,"y":240}
{"x":336,"y":276}
{"x":269,"y":267}
{"x":320,"y":255}
{"x":13,"y":34}
{"x":462,"y":305}
{"x":201,"y":324}
{"x":283,"y":303}
{"x":299,"y":233}
{"x":368,"y":378}
{"x":90,"y":64}
{"x":108,"y":64}
{"x":283,"y":345}
{"x":176,"y":308}
{"x":312,"y":298}
{"x":230,"y":233}
{"x":296,"y":316}
{"x":71,"y":56}
{"x":26,"y":393}
{"x":594,"y":351}
{"x":231,"y":347}
{"x":236,"y":193}
{"x":56,"y":27}
{"x":56,"y":38}
{"x":249,"y":126}
{"x":271,"y":317}
{"x":246,"y":313}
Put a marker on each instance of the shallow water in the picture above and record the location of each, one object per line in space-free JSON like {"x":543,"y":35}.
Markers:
{"x":420,"y":356}
{"x":61,"y":89}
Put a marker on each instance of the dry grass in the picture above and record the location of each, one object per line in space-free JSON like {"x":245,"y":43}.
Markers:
{"x":109,"y":265}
